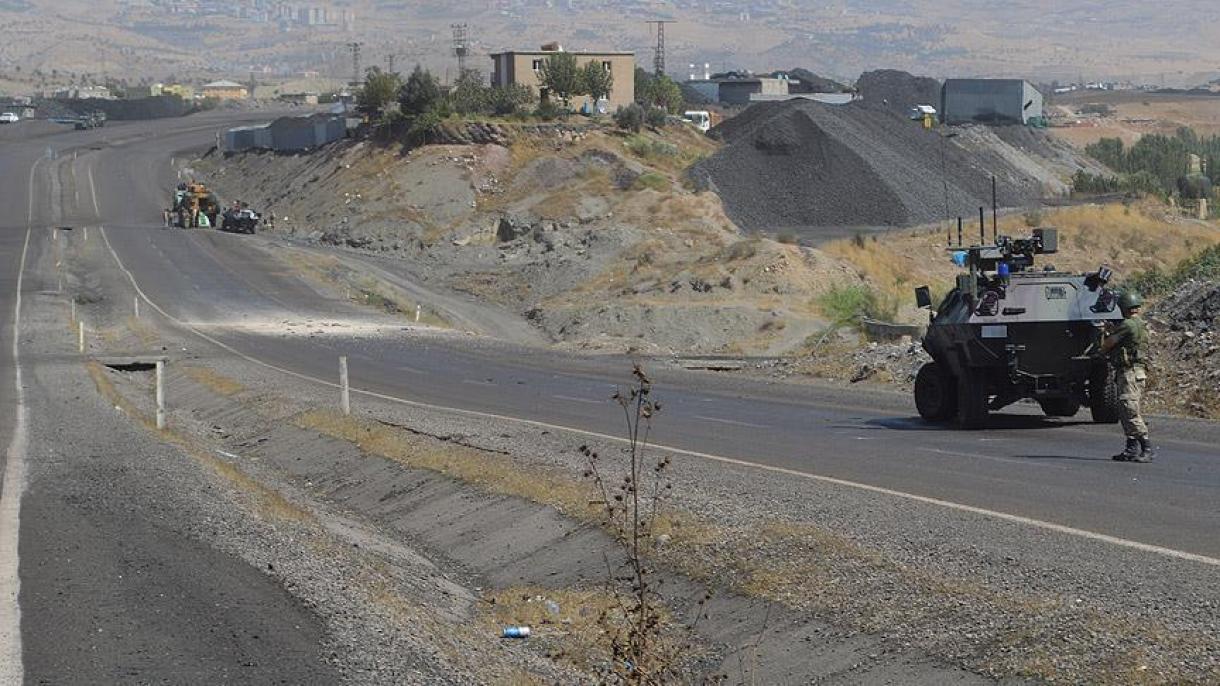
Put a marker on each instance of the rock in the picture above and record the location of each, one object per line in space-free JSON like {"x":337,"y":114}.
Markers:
{"x":511,"y":227}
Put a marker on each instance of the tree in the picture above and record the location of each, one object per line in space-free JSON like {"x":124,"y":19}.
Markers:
{"x":420,"y":93}
{"x":561,"y":76}
{"x":470,"y":95}
{"x":380,"y":89}
{"x":665,"y":93}
{"x":596,"y":80}
{"x":643,"y":83}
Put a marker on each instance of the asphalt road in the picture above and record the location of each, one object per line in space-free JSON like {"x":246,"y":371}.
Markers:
{"x":1055,"y":472}
{"x":114,"y":586}
{"x":1049,"y":474}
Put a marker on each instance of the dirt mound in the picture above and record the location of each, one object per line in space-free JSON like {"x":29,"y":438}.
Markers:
{"x":799,"y":165}
{"x":897,"y":91}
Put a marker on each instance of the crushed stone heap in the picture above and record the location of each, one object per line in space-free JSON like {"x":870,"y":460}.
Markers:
{"x":803,"y":164}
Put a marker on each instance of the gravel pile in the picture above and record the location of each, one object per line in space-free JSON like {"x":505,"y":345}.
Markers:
{"x":897,"y":91}
{"x":801,"y":165}
{"x":1185,"y":373}
{"x":897,"y":363}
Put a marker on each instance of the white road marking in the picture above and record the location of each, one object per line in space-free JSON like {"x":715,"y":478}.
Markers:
{"x":477,"y":382}
{"x":574,"y":399}
{"x":960,"y":507}
{"x":732,"y":422}
{"x":93,"y":192}
{"x":12,"y":669}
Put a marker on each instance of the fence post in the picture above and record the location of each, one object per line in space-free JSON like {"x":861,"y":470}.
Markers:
{"x":160,"y":394}
{"x":345,"y":398}
{"x":136,"y":300}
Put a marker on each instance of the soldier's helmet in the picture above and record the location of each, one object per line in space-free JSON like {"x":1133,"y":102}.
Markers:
{"x":1129,"y":300}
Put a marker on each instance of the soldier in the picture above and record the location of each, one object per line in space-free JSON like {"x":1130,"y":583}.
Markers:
{"x":1127,"y":347}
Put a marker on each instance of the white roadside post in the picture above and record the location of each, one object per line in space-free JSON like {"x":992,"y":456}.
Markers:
{"x":80,"y":337}
{"x":160,"y":394}
{"x":73,"y":309}
{"x":136,"y":300}
{"x":345,"y":398}
{"x":418,"y":310}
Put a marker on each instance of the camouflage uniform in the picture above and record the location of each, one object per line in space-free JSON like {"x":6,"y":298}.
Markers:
{"x":1128,"y":346}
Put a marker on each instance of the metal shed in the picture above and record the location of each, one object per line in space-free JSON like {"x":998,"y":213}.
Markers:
{"x":989,"y":101}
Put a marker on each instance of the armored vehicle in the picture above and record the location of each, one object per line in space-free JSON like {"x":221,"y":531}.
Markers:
{"x":1008,"y":331}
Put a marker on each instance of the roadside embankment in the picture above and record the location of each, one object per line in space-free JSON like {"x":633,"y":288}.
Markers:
{"x":804,"y":585}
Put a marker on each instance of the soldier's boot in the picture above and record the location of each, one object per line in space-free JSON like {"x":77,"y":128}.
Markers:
{"x":1130,"y":453}
{"x":1147,"y":450}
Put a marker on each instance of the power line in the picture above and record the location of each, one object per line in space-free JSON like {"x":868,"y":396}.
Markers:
{"x":460,"y":46}
{"x":658,"y":56}
{"x":355,"y":49}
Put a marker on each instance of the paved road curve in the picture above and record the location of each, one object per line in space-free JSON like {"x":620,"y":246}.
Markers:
{"x":1057,"y":472}
{"x":114,"y":584}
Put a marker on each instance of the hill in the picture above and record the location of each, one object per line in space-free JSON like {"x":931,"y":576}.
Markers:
{"x":1034,"y":38}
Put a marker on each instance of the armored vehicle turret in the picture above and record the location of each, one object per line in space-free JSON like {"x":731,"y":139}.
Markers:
{"x":1008,"y":331}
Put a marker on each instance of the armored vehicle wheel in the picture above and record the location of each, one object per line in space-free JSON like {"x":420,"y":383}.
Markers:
{"x":1103,"y":395}
{"x":971,"y":400}
{"x":935,"y":394}
{"x":1060,"y":407}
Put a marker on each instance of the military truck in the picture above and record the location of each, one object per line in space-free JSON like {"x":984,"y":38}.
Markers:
{"x":193,"y":205}
{"x":1008,"y":332}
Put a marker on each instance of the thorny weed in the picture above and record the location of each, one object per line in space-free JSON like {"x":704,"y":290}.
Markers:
{"x":642,"y":652}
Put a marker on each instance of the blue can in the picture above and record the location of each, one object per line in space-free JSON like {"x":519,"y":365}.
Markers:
{"x":516,"y":632}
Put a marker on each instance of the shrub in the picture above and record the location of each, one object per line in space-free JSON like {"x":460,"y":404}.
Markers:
{"x":548,"y":110}
{"x":629,"y":118}
{"x":1204,"y":266}
{"x":507,"y":100}
{"x":651,"y":181}
{"x":655,"y":117}
{"x":788,"y":238}
{"x":849,"y":305}
{"x":647,"y":148}
{"x":422,"y":127}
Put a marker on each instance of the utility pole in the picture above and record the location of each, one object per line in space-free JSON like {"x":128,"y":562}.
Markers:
{"x":355,"y":49}
{"x":461,"y":47}
{"x":389,"y":62}
{"x":658,"y":57}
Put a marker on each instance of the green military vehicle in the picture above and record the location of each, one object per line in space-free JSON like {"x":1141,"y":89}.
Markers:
{"x":1008,"y":332}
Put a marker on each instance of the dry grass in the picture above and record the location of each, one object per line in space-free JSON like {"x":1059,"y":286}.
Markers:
{"x":493,"y":473}
{"x":146,"y":334}
{"x":213,"y":380}
{"x":1128,"y":238}
{"x":581,"y":633}
{"x":268,"y":501}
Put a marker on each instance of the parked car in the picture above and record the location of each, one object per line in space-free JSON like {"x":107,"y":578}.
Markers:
{"x":9,"y":118}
